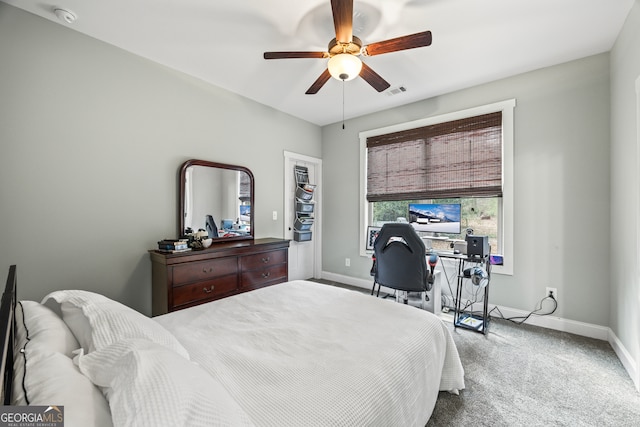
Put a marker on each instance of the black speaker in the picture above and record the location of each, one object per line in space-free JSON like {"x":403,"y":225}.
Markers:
{"x":477,"y":246}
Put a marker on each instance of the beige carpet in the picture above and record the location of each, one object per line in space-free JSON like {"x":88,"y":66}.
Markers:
{"x":522,"y":375}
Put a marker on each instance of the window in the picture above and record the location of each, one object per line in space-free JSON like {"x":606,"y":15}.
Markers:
{"x":481,"y":214}
{"x":464,"y":157}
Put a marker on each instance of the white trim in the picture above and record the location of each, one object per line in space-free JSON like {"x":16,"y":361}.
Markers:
{"x":625,"y":358}
{"x":507,"y":108}
{"x":348,"y":280}
{"x":637,"y":260}
{"x":558,"y":323}
{"x":302,"y":157}
{"x":549,"y":322}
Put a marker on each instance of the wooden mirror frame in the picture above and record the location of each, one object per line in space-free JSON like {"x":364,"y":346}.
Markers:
{"x":182,"y":192}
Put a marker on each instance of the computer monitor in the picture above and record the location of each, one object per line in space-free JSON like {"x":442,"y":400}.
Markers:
{"x":435,"y":217}
{"x":245,"y":213}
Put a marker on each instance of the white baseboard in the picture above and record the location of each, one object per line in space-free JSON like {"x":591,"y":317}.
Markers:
{"x":625,"y":357}
{"x":352,"y":281}
{"x":550,"y":322}
{"x":558,"y":323}
{"x":348,"y":280}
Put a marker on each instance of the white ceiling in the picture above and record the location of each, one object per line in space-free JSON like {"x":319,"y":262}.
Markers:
{"x":222,"y":42}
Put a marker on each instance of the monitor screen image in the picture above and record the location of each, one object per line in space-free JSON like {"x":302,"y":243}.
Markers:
{"x":435,"y":217}
{"x":245,"y":213}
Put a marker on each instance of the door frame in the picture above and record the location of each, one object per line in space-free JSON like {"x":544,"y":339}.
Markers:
{"x":637,"y":219}
{"x":289,"y":161}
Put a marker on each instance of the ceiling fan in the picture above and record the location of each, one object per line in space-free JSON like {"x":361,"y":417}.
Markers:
{"x":344,"y":50}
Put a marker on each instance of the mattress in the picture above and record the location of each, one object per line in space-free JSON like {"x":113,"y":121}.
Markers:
{"x":303,"y":353}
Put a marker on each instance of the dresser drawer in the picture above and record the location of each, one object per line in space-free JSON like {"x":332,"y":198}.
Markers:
{"x":209,"y":289}
{"x":204,"y":270}
{"x":264,"y":259}
{"x":256,"y":278}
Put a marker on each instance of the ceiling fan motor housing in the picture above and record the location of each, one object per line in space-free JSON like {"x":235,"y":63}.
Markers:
{"x":353,"y":48}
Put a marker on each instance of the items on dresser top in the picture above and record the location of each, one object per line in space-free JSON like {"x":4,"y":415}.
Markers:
{"x":173,"y":245}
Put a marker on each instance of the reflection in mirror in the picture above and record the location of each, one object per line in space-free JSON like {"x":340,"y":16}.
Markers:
{"x":217,"y":199}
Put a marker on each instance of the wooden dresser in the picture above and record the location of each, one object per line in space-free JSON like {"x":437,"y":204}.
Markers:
{"x":186,"y":279}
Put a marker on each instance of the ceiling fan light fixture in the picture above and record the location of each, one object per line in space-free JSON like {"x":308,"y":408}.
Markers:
{"x":344,"y":66}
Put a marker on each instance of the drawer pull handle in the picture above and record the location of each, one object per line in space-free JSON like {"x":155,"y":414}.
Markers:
{"x":204,"y":270}
{"x":265,"y":259}
{"x":266,"y":274}
{"x":208,"y":291}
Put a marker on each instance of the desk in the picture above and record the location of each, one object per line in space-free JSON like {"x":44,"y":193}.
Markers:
{"x":461,"y":317}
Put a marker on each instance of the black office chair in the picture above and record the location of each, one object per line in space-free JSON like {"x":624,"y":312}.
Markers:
{"x":400,"y":262}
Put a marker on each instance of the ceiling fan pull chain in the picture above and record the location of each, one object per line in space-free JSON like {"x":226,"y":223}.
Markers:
{"x":343,"y":104}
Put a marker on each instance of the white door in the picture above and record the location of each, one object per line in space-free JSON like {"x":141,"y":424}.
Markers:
{"x":304,"y":257}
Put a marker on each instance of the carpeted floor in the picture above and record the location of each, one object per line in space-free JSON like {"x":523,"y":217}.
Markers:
{"x":523,"y":375}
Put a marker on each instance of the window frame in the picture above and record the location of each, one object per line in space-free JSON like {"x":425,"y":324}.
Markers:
{"x":505,"y":221}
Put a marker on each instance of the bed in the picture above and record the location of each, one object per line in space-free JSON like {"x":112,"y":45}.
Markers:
{"x":293,"y":354}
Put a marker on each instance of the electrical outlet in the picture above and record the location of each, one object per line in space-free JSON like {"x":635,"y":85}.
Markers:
{"x":552,"y":292}
{"x":347,"y":262}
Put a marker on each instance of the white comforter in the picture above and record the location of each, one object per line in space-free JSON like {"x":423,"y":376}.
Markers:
{"x":306,"y":354}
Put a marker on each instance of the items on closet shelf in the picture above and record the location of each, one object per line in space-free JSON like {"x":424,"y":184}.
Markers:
{"x":304,"y":205}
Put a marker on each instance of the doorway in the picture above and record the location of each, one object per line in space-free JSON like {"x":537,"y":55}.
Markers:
{"x":305,"y":258}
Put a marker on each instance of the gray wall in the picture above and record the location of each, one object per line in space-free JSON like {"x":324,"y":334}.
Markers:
{"x":561,"y":199}
{"x":625,"y":188}
{"x":91,"y":141}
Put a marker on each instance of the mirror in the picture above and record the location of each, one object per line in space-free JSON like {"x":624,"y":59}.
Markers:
{"x":217,"y":198}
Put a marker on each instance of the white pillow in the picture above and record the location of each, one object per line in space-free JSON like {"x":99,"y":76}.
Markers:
{"x":46,"y":329}
{"x":148,"y":385}
{"x":42,"y":331}
{"x":52,"y":379}
{"x":97,"y":321}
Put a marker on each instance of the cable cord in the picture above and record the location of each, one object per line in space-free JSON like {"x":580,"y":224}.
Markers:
{"x":449,"y":279}
{"x":515,"y":320}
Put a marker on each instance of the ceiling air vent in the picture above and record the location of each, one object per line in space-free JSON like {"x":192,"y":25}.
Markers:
{"x":395,"y":90}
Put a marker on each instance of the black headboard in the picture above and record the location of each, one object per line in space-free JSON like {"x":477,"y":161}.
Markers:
{"x":7,"y":329}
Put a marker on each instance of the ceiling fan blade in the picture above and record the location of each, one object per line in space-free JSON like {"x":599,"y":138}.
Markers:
{"x":373,"y":78}
{"x":400,"y":43}
{"x":343,"y":19}
{"x":317,"y":85}
{"x":285,"y":55}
